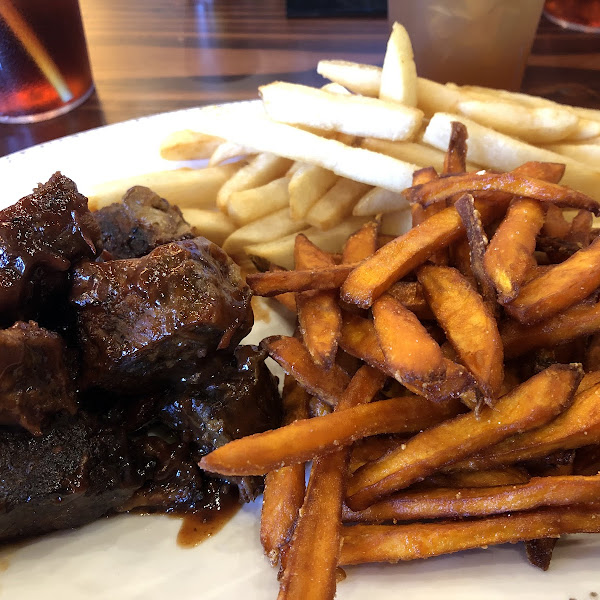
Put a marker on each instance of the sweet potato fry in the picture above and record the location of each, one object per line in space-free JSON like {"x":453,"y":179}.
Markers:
{"x":478,"y":479}
{"x":455,"y":160}
{"x":555,"y":224}
{"x":468,"y":324}
{"x":578,"y":426}
{"x":530,"y":405}
{"x":295,"y":360}
{"x":539,"y":552}
{"x":582,"y":319}
{"x":284,"y":488}
{"x":361,"y":244}
{"x":359,"y":339}
{"x":509,"y":256}
{"x":391,"y":543}
{"x":409,"y":351}
{"x":410,"y":295}
{"x":511,"y":183}
{"x":581,"y":228}
{"x":274,"y":283}
{"x":592,"y":354}
{"x":559,"y":287}
{"x":446,"y":503}
{"x":546,"y":171}
{"x":399,"y":257}
{"x":303,"y":440}
{"x":319,"y":316}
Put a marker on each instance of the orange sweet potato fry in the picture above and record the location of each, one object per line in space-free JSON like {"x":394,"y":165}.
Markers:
{"x":559,"y":287}
{"x":578,"y":426}
{"x":409,"y":351}
{"x":361,"y":244}
{"x":478,"y":479}
{"x":579,"y":320}
{"x":284,"y":488}
{"x":319,"y":315}
{"x":455,"y":160}
{"x":555,"y":224}
{"x":510,"y":183}
{"x":303,"y":440}
{"x":410,"y":295}
{"x":393,"y":543}
{"x":546,"y":171}
{"x":403,"y":254}
{"x":468,"y":324}
{"x":273,"y":283}
{"x":446,"y":503}
{"x":531,"y":405}
{"x":509,"y":255}
{"x":581,"y":228}
{"x":295,"y":360}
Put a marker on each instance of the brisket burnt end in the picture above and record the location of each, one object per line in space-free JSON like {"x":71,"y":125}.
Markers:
{"x":35,"y":382}
{"x":41,"y":236}
{"x":80,"y":470}
{"x":140,"y":223}
{"x":151,"y":319}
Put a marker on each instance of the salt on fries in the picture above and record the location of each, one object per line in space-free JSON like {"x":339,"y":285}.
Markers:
{"x":433,"y":375}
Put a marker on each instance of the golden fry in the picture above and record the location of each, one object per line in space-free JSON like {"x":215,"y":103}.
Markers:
{"x":361,"y":244}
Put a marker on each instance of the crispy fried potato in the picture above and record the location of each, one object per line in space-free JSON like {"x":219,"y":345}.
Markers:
{"x":396,"y":223}
{"x":211,"y":224}
{"x":356,"y":115}
{"x":377,"y":201}
{"x":578,"y":426}
{"x":229,"y":151}
{"x":188,"y":145}
{"x":391,"y":543}
{"x":413,"y":356}
{"x":358,"y":78}
{"x":468,"y":324}
{"x":284,"y":488}
{"x":588,"y":154}
{"x":478,"y":479}
{"x":410,"y":295}
{"x":531,"y":405}
{"x":398,"y":258}
{"x":294,"y":359}
{"x":559,"y":287}
{"x":455,"y":159}
{"x":361,"y":244}
{"x":509,"y":256}
{"x":303,"y":440}
{"x":398,"y":81}
{"x":249,"y":205}
{"x":307,"y":185}
{"x":443,"y":188}
{"x":480,"y":502}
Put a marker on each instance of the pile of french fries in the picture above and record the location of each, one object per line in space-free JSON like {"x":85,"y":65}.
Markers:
{"x":445,"y":388}
{"x":325,"y":161}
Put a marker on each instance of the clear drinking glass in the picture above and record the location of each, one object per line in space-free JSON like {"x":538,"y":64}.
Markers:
{"x":475,"y":42}
{"x":44,"y":65}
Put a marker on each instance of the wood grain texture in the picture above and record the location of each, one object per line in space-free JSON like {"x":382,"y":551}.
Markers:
{"x":151,"y":56}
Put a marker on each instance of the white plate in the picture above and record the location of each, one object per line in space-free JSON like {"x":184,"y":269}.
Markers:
{"x":133,"y":557}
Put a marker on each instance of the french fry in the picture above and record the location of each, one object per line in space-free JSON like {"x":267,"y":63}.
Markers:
{"x":188,"y":145}
{"x":262,"y":169}
{"x":229,"y":151}
{"x":588,"y":154}
{"x":249,"y":205}
{"x":303,"y":440}
{"x":356,"y":115}
{"x":281,"y":251}
{"x":378,"y":201}
{"x":579,"y":320}
{"x":560,"y":287}
{"x":539,"y":125}
{"x":358,"y":78}
{"x":398,"y":81}
{"x":468,"y":324}
{"x":509,"y":256}
{"x":336,"y":204}
{"x":211,"y":224}
{"x":531,"y":405}
{"x":307,"y":185}
{"x":412,"y":356}
{"x":391,"y":543}
{"x":396,"y":223}
{"x":578,"y":426}
{"x":498,"y":151}
{"x":294,"y":359}
{"x":480,"y":502}
{"x":399,"y":257}
{"x":443,"y":188}
{"x":284,"y":488}
{"x":319,"y":315}
{"x":190,"y":188}
{"x":361,"y":244}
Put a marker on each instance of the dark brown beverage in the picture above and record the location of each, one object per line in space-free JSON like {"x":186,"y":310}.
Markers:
{"x":583,"y":15}
{"x":44,"y":68}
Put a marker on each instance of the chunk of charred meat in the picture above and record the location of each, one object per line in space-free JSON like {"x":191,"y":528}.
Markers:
{"x":140,"y":223}
{"x":77,"y":472}
{"x":151,"y":319}
{"x":35,"y":382}
{"x":41,"y":236}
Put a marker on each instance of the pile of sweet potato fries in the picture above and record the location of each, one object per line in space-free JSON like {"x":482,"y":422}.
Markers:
{"x":446,"y":389}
